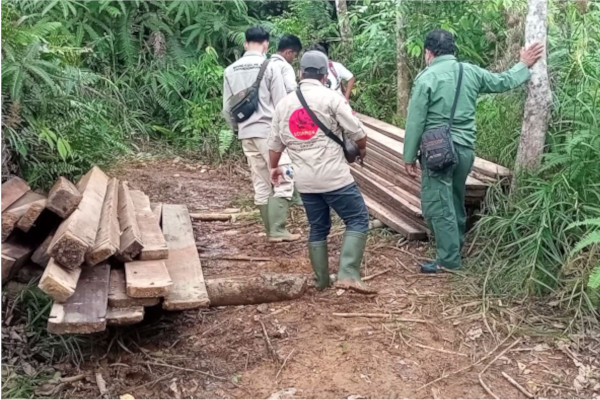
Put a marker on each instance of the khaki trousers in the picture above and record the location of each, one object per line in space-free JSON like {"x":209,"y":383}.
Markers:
{"x":256,"y":151}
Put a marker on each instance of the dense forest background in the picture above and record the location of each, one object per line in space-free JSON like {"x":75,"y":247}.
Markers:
{"x":86,"y":82}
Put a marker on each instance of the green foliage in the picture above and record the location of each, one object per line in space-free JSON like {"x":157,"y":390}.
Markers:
{"x":537,"y":240}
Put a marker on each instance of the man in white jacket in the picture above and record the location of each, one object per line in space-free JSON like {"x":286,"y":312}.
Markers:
{"x":254,"y":132}
{"x":288,"y":49}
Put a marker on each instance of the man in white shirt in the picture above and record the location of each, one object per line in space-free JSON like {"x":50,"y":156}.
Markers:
{"x":254,"y":132}
{"x":288,"y":49}
{"x":339,"y":78}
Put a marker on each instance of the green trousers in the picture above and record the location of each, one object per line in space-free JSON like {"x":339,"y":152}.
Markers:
{"x":443,"y":205}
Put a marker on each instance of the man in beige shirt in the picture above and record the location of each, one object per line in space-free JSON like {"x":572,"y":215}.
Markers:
{"x":321,"y":173}
{"x":273,"y":204}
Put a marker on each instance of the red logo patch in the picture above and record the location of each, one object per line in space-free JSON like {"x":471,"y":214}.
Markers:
{"x":301,"y":125}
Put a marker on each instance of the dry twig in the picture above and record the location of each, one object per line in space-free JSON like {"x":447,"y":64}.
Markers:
{"x":368,"y":278}
{"x":270,"y":348}
{"x":283,"y":365}
{"x":379,"y":315}
{"x":516,"y":384}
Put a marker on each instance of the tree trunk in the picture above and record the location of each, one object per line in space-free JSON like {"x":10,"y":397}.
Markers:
{"x":263,"y":288}
{"x":344,"y":22}
{"x":403,"y":88}
{"x":539,"y":96}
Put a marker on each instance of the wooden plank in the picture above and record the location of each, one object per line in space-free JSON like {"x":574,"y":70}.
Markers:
{"x":131,"y":238}
{"x":18,"y":209}
{"x":124,"y":316}
{"x":480,"y":165}
{"x":12,"y":190}
{"x":108,"y":235}
{"x":148,"y":278}
{"x":40,"y":256}
{"x":155,"y":247}
{"x":14,"y":254}
{"x":28,"y":219}
{"x":367,"y":179}
{"x":157,"y":211}
{"x":85,"y":310}
{"x":189,"y":289}
{"x":64,"y":197}
{"x":117,"y":294}
{"x":58,"y":282}
{"x":77,"y":234}
{"x":403,"y":225}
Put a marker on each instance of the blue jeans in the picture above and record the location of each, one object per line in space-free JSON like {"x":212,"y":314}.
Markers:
{"x":347,"y":202}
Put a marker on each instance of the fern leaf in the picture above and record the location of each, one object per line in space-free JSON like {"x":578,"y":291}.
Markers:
{"x":590,"y":239}
{"x":594,"y":280}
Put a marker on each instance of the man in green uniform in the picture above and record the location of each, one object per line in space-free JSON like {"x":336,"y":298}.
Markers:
{"x":443,"y":192}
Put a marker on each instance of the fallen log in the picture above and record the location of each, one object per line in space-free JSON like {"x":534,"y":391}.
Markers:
{"x":64,"y":197}
{"x":32,"y":214}
{"x":264,"y":288}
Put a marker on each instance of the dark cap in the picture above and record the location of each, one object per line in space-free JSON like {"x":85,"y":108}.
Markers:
{"x":314,"y":60}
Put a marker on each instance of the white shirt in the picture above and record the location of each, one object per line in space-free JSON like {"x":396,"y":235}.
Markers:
{"x":336,"y":75}
{"x":289,"y":77}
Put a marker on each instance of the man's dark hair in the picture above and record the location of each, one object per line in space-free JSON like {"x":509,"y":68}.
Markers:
{"x":256,"y":34}
{"x":312,"y":73}
{"x":440,"y":42}
{"x":321,"y":48}
{"x":291,"y":42}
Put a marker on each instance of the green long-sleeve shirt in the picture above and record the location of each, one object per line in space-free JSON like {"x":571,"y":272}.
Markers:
{"x":433,"y":93}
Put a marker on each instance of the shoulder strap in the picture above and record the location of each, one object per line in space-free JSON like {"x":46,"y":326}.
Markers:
{"x":316,"y":120}
{"x":332,"y":68}
{"x":458,"y":84}
{"x":261,"y":73}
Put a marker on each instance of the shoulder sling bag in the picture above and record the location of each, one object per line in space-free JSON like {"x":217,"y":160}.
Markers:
{"x":351,"y":151}
{"x":437,"y":148}
{"x":244,"y":103}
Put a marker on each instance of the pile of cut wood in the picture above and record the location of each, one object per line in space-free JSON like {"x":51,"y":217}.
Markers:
{"x":392,"y":196}
{"x":104,"y":253}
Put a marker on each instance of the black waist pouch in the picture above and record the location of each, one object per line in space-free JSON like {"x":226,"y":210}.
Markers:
{"x":437,"y":149}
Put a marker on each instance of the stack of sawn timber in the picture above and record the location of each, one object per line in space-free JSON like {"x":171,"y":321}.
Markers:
{"x":108,"y":257}
{"x":392,"y":196}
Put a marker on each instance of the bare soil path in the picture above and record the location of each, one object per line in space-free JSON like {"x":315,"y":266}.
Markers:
{"x":422,"y":330}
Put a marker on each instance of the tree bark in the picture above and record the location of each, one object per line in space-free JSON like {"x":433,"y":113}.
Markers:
{"x":539,"y":96}
{"x":403,"y":88}
{"x":264,"y":288}
{"x":344,"y":23}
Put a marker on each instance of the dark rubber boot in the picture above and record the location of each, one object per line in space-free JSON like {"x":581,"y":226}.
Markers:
{"x":319,"y":258}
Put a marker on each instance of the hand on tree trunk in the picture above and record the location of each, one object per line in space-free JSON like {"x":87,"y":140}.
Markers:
{"x":532,"y":54}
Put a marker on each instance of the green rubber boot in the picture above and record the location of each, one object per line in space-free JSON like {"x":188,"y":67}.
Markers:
{"x":276,"y":215}
{"x":317,"y":252}
{"x":264,"y":215}
{"x":351,"y":254}
{"x":296,"y":199}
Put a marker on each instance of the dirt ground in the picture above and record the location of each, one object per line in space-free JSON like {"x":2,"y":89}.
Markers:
{"x":431,"y":340}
